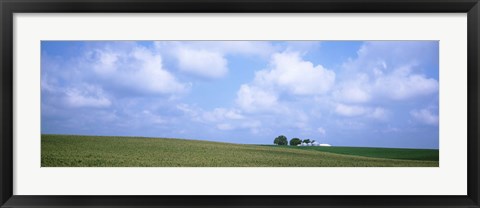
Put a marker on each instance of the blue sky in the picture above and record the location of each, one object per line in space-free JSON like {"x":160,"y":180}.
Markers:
{"x":344,"y":93}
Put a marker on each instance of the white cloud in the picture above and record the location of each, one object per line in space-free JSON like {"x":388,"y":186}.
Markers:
{"x":357,"y":90}
{"x":350,"y":110}
{"x":207,"y":58}
{"x":251,"y":98}
{"x":377,"y":113}
{"x":201,"y":62}
{"x":86,"y":96}
{"x":135,"y":67}
{"x":216,"y":115}
{"x":234,"y":114}
{"x":219,"y":114}
{"x":382,"y":56}
{"x":152,"y":75}
{"x":251,"y":125}
{"x":401,"y":85}
{"x":416,"y":51}
{"x":290,"y":73}
{"x":224,"y":119}
{"x":354,"y":95}
{"x":387,"y":70}
{"x":425,"y":116}
{"x":105,"y":62}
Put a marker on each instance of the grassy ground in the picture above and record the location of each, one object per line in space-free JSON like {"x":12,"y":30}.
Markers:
{"x":93,"y":151}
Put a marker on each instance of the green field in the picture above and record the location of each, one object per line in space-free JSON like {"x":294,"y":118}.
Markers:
{"x":388,"y":153}
{"x":103,"y":151}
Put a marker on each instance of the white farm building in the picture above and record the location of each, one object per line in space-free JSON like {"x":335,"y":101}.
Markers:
{"x":314,"y":144}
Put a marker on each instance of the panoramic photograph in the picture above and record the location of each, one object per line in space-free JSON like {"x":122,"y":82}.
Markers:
{"x":240,"y":103}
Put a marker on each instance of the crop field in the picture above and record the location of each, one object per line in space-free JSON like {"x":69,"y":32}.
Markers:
{"x":111,"y":151}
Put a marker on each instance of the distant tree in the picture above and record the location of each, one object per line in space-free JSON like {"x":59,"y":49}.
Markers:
{"x":313,"y":141}
{"x":306,"y":141}
{"x":295,"y":141}
{"x":280,"y":140}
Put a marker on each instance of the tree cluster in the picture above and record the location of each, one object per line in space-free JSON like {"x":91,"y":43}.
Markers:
{"x":282,"y":140}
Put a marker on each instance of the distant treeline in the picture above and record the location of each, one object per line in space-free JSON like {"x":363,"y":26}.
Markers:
{"x":282,"y":140}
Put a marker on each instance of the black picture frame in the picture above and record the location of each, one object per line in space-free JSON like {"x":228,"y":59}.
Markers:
{"x":9,"y":7}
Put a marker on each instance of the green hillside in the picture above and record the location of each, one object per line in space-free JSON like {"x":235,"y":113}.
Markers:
{"x":96,"y":151}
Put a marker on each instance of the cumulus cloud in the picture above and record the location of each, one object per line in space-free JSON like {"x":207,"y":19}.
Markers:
{"x":398,"y":84}
{"x":353,"y":94}
{"x":136,"y":68}
{"x":388,"y":70}
{"x":252,"y":98}
{"x":106,"y":62}
{"x":201,"y":62}
{"x":207,"y":59}
{"x":401,"y":86}
{"x":425,"y":116}
{"x":357,"y":90}
{"x":289,"y":72}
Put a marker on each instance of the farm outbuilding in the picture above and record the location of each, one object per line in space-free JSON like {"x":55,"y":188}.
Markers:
{"x":316,"y":144}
